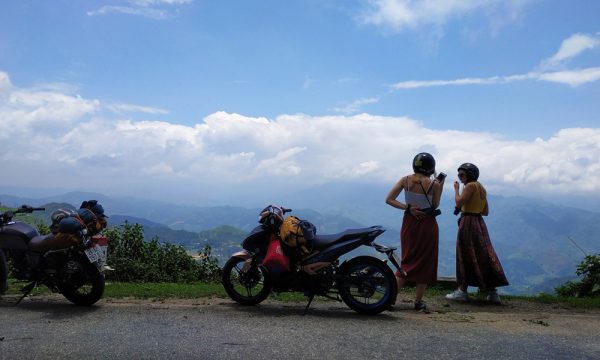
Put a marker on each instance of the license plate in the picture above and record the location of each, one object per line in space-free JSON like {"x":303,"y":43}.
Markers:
{"x":96,"y":254}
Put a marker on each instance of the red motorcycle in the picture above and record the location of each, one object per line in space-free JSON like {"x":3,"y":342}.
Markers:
{"x":365,"y":283}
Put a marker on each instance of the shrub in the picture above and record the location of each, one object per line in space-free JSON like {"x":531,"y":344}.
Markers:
{"x":136,"y":260}
{"x":589,"y":284}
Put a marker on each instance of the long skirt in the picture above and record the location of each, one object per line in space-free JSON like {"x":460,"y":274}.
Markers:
{"x":476,"y":261}
{"x":419,"y":240}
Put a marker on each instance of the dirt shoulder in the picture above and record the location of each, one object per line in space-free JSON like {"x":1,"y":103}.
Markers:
{"x":514,"y":316}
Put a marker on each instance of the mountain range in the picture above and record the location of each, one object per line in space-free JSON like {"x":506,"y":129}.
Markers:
{"x":539,"y":243}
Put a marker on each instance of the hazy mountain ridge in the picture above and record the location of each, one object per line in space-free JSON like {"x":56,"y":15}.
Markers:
{"x":531,"y":236}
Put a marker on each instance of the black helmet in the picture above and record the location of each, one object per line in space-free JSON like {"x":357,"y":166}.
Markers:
{"x":424,"y":163}
{"x":94,"y":206}
{"x":471,"y":170}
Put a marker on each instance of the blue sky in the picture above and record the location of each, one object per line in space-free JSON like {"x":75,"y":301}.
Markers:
{"x":218,"y":93}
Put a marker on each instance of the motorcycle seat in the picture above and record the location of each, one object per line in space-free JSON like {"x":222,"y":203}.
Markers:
{"x":322,"y":241}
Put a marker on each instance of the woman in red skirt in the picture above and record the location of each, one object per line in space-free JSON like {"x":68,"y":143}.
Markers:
{"x":476,"y":261}
{"x":419,"y":236}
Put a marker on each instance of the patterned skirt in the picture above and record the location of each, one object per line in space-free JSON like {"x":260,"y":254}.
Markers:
{"x":419,"y":242}
{"x":476,"y":261}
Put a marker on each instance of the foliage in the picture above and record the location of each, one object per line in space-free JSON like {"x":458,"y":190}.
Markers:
{"x":42,"y":228}
{"x":589,"y":284}
{"x":139,"y":261}
{"x":209,"y":264}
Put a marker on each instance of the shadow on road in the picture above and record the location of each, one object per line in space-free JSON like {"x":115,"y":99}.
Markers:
{"x":54,"y":308}
{"x":324,"y":310}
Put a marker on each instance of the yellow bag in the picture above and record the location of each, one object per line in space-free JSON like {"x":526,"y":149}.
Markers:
{"x":292,"y":234}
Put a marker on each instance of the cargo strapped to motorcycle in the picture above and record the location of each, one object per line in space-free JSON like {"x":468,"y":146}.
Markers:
{"x":298,"y":234}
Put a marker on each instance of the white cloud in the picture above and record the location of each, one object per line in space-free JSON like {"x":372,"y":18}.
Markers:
{"x":400,"y":15}
{"x":572,"y":77}
{"x":5,"y":84}
{"x":76,"y":148}
{"x":152,"y":9}
{"x":355,"y":106}
{"x":570,"y":48}
{"x":568,"y":77}
{"x":123,"y":108}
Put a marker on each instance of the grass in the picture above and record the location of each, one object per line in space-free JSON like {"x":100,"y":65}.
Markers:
{"x":163,"y":290}
{"x":575,"y":302}
{"x":119,"y":290}
{"x":199,"y":290}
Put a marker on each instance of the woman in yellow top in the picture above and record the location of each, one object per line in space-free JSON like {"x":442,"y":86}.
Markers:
{"x":476,"y":261}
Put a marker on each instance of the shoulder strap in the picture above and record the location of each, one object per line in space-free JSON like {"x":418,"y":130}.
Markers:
{"x":427,"y":192}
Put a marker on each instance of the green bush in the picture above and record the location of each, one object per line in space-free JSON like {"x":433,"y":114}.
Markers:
{"x":135,"y":260}
{"x":589,"y":284}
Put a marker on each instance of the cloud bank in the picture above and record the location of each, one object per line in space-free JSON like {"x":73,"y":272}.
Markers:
{"x":52,"y":139}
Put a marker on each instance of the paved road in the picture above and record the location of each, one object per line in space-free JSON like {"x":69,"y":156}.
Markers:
{"x":51,"y":328}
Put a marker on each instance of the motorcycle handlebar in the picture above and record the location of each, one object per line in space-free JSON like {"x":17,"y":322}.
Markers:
{"x":28,"y":209}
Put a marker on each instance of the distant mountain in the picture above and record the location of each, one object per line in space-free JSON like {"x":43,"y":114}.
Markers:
{"x":121,"y":219}
{"x":533,"y":237}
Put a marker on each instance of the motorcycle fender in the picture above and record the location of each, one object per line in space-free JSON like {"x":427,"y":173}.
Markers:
{"x":345,"y":263}
{"x":242,"y":254}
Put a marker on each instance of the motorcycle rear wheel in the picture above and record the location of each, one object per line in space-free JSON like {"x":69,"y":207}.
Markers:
{"x":369,"y":286}
{"x":84,"y":286}
{"x":247,"y":287}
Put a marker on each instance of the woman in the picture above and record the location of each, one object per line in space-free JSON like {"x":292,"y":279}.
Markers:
{"x":419,"y":235}
{"x":476,"y":261}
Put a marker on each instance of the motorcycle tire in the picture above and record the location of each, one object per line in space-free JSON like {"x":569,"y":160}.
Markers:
{"x":249,"y":287}
{"x":369,"y":286}
{"x":85,"y":286}
{"x":3,"y":273}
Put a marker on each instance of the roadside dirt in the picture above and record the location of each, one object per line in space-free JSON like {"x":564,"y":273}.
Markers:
{"x":514,"y":315}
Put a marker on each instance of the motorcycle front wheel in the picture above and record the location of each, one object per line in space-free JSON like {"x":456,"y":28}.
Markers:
{"x":368,"y":285}
{"x":3,"y":273}
{"x":246,"y":283}
{"x":83,"y":283}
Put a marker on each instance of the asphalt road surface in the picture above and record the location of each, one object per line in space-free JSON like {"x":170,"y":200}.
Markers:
{"x":52,"y":328}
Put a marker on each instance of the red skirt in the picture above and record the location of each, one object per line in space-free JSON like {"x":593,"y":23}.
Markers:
{"x":419,"y":241}
{"x":476,"y":261}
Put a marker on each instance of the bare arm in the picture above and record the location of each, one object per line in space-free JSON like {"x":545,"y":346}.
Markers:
{"x":486,"y":209}
{"x":438,"y":187}
{"x":393,"y":194}
{"x":463,"y":198}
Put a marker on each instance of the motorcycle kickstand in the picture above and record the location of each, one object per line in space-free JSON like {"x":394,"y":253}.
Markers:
{"x":26,"y":291}
{"x":310,"y":299}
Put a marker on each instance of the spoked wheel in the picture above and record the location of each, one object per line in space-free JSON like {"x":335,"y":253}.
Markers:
{"x":83,"y":283}
{"x":369,"y":285}
{"x":245,"y":282}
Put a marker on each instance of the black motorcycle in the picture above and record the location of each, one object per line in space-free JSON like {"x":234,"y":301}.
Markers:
{"x":75,"y":271}
{"x":365,"y":283}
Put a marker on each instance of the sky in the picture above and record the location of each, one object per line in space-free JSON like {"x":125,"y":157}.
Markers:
{"x":210,"y":101}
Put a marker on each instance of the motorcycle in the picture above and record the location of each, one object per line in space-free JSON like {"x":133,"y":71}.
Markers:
{"x":366,"y":284}
{"x":75,"y":271}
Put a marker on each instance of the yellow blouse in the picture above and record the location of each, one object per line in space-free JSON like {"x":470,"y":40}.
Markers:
{"x":477,"y":202}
